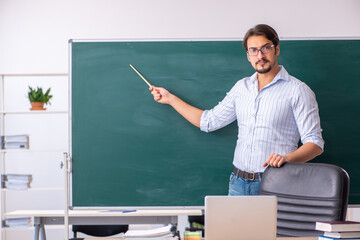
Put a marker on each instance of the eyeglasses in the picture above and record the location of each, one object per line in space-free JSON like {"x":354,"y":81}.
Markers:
{"x":264,"y":50}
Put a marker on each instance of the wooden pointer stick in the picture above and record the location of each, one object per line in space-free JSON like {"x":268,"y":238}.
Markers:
{"x":140,"y":75}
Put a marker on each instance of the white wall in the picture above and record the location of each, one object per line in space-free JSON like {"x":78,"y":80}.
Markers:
{"x":34,"y":34}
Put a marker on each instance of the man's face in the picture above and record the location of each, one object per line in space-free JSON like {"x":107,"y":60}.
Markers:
{"x":262,"y":62}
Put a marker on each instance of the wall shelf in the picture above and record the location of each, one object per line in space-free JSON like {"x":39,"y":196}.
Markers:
{"x":9,"y":158}
{"x":34,"y":112}
{"x":35,"y":189}
{"x":31,"y":150}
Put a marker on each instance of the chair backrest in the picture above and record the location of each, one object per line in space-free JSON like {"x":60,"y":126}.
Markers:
{"x":99,"y":230}
{"x":307,"y":192}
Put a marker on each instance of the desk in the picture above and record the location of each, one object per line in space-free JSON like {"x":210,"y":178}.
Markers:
{"x":104,"y":217}
{"x":297,"y":238}
{"x":99,"y":217}
{"x":281,"y":238}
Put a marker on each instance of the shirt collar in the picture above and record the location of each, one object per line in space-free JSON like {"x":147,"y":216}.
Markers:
{"x":281,"y":75}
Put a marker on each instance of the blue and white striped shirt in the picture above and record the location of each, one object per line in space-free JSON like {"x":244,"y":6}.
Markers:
{"x":270,"y":121}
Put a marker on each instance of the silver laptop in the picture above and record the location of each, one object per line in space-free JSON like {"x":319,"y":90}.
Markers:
{"x":240,"y":217}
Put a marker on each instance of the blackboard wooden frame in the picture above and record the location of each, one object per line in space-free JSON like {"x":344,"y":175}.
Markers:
{"x":316,"y":62}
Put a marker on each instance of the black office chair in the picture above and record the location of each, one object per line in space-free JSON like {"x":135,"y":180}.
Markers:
{"x":307,"y":192}
{"x":98,"y":230}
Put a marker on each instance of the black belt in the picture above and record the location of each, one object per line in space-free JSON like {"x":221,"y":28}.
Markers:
{"x":247,"y":175}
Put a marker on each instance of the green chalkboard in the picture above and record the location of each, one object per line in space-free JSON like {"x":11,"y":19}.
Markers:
{"x":128,"y":150}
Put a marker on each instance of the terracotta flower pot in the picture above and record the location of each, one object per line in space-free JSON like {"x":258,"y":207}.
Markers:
{"x":37,"y":106}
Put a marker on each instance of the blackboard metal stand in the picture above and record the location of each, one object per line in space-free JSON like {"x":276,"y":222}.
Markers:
{"x":98,"y":217}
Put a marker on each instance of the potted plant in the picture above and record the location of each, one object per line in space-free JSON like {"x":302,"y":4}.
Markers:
{"x":38,"y":98}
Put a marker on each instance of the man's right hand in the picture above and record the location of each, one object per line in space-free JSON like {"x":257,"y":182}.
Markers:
{"x":161,"y":95}
{"x":190,"y":113}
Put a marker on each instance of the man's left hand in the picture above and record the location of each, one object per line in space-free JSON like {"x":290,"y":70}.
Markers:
{"x":275,"y":160}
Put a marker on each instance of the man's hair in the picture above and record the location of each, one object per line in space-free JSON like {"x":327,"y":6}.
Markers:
{"x":261,"y":30}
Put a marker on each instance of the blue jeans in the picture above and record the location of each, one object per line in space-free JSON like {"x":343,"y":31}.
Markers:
{"x":240,"y":186}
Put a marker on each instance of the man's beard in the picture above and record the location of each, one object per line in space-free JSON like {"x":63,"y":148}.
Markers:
{"x":263,"y":70}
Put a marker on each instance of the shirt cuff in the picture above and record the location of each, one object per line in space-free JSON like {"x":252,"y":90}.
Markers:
{"x":204,"y":126}
{"x":317,"y":141}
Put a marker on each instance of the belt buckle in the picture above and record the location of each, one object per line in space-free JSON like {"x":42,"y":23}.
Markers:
{"x":253,"y":176}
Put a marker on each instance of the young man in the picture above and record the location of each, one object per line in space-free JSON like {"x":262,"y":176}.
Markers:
{"x":273,"y":109}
